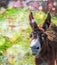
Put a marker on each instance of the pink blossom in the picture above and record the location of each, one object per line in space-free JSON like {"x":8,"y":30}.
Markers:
{"x":15,"y":4}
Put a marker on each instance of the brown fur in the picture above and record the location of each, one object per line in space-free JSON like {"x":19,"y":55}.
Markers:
{"x":49,"y":52}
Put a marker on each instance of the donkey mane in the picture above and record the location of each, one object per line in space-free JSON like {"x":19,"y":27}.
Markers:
{"x":51,"y":31}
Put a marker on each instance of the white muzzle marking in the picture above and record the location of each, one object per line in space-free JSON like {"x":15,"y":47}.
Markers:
{"x":35,"y":46}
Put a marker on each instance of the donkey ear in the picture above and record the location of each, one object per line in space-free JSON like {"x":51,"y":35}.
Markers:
{"x":47,"y":22}
{"x":33,"y":24}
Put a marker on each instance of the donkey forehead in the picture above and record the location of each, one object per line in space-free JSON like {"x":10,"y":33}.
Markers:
{"x":36,"y":34}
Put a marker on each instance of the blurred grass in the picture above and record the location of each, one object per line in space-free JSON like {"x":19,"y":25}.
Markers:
{"x":14,"y":13}
{"x":54,"y":19}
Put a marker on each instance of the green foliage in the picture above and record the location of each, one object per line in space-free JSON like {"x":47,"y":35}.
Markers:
{"x":4,"y":43}
{"x":54,"y":19}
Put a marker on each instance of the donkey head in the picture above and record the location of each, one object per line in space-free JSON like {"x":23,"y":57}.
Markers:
{"x":38,"y":37}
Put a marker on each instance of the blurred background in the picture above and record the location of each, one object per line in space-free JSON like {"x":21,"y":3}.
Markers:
{"x":34,"y":4}
{"x":15,"y":28}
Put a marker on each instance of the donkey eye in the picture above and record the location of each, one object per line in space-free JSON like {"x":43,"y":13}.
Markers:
{"x":43,"y":36}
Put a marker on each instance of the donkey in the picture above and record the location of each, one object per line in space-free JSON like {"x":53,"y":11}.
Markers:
{"x":44,"y":49}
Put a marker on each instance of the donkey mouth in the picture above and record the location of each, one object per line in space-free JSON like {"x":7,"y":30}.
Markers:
{"x":34,"y":54}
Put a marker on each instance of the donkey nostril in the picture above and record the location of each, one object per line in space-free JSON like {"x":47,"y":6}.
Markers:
{"x":34,"y":47}
{"x":37,"y":47}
